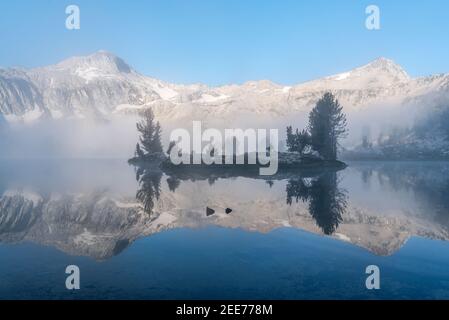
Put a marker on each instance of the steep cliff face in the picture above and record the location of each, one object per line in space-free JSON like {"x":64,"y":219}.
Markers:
{"x":19,"y":95}
{"x":84,"y":87}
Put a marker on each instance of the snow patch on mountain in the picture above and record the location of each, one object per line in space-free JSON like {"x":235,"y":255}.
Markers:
{"x":102,"y":85}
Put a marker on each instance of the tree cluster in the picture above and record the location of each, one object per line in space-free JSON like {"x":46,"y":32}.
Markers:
{"x":297,"y":141}
{"x":327,"y":125}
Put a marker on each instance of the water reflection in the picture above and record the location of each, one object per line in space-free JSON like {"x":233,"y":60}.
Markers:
{"x":426,"y":182}
{"x":319,"y":188}
{"x":149,"y":180}
{"x":98,"y":209}
{"x":327,"y":203}
{"x":173,"y":183}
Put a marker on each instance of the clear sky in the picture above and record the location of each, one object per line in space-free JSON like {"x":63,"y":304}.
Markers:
{"x":230,"y":41}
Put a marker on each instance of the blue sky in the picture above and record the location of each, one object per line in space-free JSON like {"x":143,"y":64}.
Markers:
{"x":229,"y":41}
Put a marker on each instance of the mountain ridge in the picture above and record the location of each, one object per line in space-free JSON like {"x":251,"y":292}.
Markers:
{"x":101,"y":85}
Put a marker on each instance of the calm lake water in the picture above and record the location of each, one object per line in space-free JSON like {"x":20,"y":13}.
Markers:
{"x":140,"y":233}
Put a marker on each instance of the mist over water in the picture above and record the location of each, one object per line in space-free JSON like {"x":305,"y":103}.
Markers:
{"x":70,"y":139}
{"x":117,"y":136}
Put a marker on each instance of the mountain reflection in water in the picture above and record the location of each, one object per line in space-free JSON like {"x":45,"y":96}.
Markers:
{"x":319,"y":188}
{"x":98,"y":208}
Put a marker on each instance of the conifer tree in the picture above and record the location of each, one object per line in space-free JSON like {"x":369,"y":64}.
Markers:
{"x":150,"y":133}
{"x":327,"y":124}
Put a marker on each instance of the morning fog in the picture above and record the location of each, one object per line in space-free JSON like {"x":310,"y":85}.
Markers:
{"x":257,"y":146}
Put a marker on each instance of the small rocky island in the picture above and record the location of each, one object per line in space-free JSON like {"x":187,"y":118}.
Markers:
{"x":289,"y":164}
{"x":314,"y":148}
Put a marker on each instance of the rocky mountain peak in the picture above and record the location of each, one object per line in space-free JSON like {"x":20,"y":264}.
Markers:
{"x":385,"y":67}
{"x":100,"y":61}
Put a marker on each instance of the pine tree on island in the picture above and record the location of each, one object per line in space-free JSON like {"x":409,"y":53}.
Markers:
{"x":327,"y":125}
{"x":149,"y":145}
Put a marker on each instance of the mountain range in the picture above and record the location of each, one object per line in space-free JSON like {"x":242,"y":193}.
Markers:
{"x":102,"y":85}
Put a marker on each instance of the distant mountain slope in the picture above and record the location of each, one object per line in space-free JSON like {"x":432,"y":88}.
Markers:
{"x":101,"y":85}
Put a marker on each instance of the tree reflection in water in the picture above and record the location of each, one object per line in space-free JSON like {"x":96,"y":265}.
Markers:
{"x":173,"y":183}
{"x":149,"y":186}
{"x":327,"y":203}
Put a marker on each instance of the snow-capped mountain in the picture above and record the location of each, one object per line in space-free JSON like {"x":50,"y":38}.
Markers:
{"x":101,"y":85}
{"x":81,"y":87}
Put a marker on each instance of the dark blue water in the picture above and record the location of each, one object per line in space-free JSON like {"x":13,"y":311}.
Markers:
{"x":395,"y":217}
